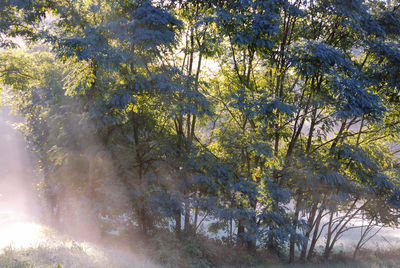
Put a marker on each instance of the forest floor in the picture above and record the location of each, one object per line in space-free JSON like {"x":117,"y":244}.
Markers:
{"x":74,"y":255}
{"x":58,"y":251}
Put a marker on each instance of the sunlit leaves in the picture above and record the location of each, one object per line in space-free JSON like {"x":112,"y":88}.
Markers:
{"x":294,"y":113}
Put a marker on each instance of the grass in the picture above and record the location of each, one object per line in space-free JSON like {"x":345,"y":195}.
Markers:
{"x":62,"y":252}
{"x":74,"y":255}
{"x":68,"y":255}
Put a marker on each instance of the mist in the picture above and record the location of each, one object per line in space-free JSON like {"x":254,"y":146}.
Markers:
{"x":18,"y":178}
{"x":17,"y":169}
{"x":26,"y":231}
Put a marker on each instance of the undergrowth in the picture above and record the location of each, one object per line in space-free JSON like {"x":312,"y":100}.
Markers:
{"x":169,"y":250}
{"x":68,"y":255}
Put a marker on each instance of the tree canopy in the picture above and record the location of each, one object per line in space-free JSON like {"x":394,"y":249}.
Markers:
{"x":261,"y":124}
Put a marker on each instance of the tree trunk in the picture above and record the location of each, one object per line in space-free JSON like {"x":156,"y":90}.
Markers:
{"x":292,"y":238}
{"x":240,"y":232}
{"x":327,"y":250}
{"x":252,"y":229}
{"x":187,"y":228}
{"x":315,"y":236}
{"x":178,"y":222}
{"x":310,"y":224}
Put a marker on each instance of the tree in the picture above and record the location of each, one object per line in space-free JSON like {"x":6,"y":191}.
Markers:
{"x":284,"y":138}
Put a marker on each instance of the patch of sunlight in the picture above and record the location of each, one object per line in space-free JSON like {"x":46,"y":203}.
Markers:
{"x":18,"y":231}
{"x":24,"y":243}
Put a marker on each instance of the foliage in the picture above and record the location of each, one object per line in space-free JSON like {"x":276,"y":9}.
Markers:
{"x":286,"y":136}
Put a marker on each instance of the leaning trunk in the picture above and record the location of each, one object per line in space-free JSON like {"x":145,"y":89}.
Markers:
{"x":292,"y":237}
